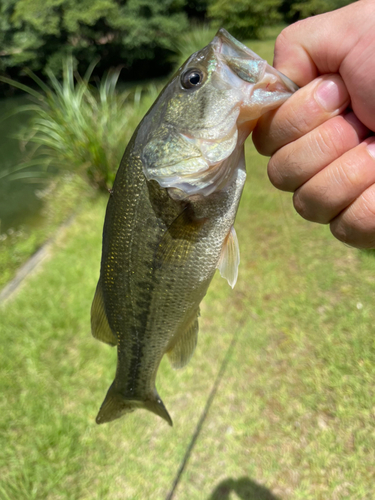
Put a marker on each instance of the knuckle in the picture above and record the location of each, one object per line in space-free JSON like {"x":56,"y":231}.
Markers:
{"x":331,"y":139}
{"x":300,"y":205}
{"x":341,"y":232}
{"x":261,"y":136}
{"x":356,"y":226}
{"x":348,"y":173}
{"x":274,"y":173}
{"x":311,"y":208}
{"x":287,"y":35}
{"x":300,"y":118}
{"x":352,"y":235}
{"x":283,"y":171}
{"x":282,"y":40}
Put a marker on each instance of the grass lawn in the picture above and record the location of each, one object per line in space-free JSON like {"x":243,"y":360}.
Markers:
{"x":293,"y":416}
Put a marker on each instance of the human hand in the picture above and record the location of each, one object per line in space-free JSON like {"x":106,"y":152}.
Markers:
{"x":321,"y":139}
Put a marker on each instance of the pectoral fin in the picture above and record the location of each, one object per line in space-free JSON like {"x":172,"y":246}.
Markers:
{"x":230,"y":258}
{"x":179,"y":239}
{"x":100,"y":328}
{"x":183,"y":350}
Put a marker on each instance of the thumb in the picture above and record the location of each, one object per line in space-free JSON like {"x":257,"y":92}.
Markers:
{"x":342,"y":41}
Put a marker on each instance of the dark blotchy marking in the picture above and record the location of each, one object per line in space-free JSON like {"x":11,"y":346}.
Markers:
{"x":142,"y":304}
{"x":143,"y":285}
{"x":137,"y":354}
{"x":138,"y":334}
{"x":141,"y":319}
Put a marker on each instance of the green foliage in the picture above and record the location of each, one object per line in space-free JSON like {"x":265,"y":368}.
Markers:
{"x":197,"y":37}
{"x":310,"y":8}
{"x":78,"y":128}
{"x":294,"y":10}
{"x":39,"y":33}
{"x":196,"y":9}
{"x":244,"y":19}
{"x":138,"y":34}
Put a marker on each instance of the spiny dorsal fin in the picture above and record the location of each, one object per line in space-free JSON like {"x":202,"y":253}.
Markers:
{"x":230,"y":258}
{"x":184,"y":348}
{"x":100,"y":328}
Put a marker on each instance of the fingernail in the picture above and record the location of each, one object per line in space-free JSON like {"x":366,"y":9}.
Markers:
{"x":331,"y":94}
{"x":371,"y":149}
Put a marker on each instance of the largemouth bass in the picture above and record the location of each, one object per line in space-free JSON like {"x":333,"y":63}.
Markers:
{"x":169,"y":220}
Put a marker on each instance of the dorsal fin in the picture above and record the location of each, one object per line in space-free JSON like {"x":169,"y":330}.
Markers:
{"x":230,"y":258}
{"x":184,"y":348}
{"x":100,"y":328}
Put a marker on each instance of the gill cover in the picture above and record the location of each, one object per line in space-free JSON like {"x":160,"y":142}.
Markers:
{"x":201,"y":122}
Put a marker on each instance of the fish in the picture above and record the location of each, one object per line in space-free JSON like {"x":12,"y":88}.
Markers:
{"x":169,"y":222}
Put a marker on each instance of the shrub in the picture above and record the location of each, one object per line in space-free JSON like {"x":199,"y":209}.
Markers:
{"x":79,"y":128}
{"x":198,"y":37}
{"x":244,"y":19}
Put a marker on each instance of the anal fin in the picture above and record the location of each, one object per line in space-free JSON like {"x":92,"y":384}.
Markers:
{"x":230,"y":258}
{"x":100,"y":328}
{"x":184,"y":348}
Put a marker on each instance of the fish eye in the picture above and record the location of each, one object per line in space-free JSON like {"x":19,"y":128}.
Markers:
{"x":191,"y":78}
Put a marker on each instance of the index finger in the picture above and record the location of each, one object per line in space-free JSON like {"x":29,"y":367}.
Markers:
{"x":305,"y":110}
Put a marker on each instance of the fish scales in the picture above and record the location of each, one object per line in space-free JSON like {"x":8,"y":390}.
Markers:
{"x":170,"y":216}
{"x":166,"y":298}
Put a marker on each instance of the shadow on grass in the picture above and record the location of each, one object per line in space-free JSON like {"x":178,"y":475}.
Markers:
{"x":244,"y":488}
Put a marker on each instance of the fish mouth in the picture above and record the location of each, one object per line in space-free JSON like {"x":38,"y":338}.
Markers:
{"x":248,"y":87}
{"x":247,"y":64}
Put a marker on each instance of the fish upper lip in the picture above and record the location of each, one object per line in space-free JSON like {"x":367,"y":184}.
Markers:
{"x":224,"y":39}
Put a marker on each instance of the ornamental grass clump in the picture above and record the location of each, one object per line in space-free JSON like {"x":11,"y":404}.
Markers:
{"x":78,"y":127}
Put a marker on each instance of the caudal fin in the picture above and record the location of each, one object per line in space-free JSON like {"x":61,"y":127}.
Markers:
{"x":116,"y":404}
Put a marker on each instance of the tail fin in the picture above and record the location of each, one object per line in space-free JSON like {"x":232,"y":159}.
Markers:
{"x":156,"y":405}
{"x":116,"y":404}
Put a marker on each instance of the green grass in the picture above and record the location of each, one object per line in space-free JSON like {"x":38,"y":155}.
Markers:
{"x":294,"y":411}
{"x":62,"y":198}
{"x":293,"y":418}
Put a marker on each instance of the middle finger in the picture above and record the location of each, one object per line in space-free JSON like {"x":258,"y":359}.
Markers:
{"x":297,"y":162}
